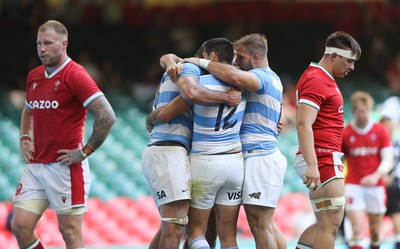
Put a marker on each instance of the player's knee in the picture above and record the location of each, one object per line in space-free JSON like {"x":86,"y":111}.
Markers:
{"x":357,"y":232}
{"x":70,"y":235}
{"x":20,"y":230}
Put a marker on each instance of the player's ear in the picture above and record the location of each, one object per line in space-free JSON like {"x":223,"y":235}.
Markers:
{"x":255,"y":58}
{"x":65,"y":43}
{"x":334,"y":56}
{"x":213,"y":57}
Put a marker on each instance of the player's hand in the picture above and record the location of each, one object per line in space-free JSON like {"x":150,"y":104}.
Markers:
{"x":312,"y":177}
{"x":174,"y":71}
{"x":27,"y":149}
{"x":70,"y":156}
{"x":370,"y":180}
{"x":388,"y":180}
{"x":279,"y":127}
{"x":149,"y":126}
{"x":235,"y":97}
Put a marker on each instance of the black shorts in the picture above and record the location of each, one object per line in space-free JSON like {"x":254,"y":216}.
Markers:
{"x":393,"y":197}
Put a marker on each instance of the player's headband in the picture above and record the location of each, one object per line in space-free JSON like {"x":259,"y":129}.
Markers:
{"x":342,"y":52}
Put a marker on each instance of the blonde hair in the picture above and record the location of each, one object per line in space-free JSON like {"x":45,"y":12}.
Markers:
{"x":363,"y":98}
{"x":254,"y":44}
{"x":58,"y":27}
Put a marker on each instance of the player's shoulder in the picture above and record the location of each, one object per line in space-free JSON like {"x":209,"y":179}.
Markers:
{"x":380,"y":127}
{"x":190,"y":66}
{"x":73,"y":65}
{"x":36,"y":74}
{"x":75,"y":70}
{"x":191,"y":69}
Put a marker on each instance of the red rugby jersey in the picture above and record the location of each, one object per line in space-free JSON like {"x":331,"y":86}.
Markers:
{"x":362,"y":150}
{"x":58,"y":104}
{"x":317,"y":88}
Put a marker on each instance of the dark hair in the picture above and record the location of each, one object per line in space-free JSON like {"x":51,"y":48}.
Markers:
{"x":340,"y":39}
{"x":222,"y":47}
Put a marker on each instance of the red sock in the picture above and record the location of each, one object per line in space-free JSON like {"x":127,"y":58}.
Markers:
{"x":356,"y":247}
{"x":39,"y":246}
{"x":35,"y":245}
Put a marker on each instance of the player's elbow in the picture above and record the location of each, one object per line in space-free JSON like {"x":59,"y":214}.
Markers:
{"x":193,"y":94}
{"x":112,"y":118}
{"x":163,"y":116}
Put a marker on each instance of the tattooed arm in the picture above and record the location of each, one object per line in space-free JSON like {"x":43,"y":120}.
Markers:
{"x":104,"y":118}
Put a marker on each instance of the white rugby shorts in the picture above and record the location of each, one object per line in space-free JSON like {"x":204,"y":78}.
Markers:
{"x":372,"y":200}
{"x":62,"y":185}
{"x":263,"y":178}
{"x":216,"y":179}
{"x":167,"y":171}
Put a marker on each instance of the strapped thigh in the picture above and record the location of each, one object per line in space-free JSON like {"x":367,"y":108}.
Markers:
{"x":34,"y":206}
{"x":328,"y":203}
{"x":182,"y":221}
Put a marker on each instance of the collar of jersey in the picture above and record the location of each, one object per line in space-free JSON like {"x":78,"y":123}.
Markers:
{"x":314,"y":64}
{"x":365,"y":130}
{"x":58,"y":69}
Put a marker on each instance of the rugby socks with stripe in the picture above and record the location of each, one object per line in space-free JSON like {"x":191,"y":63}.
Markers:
{"x":199,"y":243}
{"x":302,"y":246}
{"x":35,"y":245}
{"x":375,"y":244}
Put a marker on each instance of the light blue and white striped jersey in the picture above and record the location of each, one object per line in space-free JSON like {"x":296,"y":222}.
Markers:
{"x":180,"y":128}
{"x":216,"y":127}
{"x":263,"y":112}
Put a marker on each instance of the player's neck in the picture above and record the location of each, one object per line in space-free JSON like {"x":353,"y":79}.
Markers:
{"x":361,"y":124}
{"x":51,"y":70}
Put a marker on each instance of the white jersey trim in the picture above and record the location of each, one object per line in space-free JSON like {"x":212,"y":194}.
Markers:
{"x":46,"y":75}
{"x":308,"y":102}
{"x":91,"y":98}
{"x":362,"y":131}
{"x":323,"y":69}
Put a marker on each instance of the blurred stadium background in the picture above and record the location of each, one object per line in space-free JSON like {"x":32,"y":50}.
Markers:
{"x":120,"y":42}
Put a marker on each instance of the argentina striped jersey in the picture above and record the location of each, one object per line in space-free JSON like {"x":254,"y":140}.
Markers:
{"x":180,"y":128}
{"x":216,"y":127}
{"x":263,"y":112}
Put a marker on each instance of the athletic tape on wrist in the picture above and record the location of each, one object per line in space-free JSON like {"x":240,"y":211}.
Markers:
{"x":204,"y":63}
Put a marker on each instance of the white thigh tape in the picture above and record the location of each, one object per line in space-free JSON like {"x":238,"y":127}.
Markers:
{"x":180,"y":221}
{"x":328,"y":203}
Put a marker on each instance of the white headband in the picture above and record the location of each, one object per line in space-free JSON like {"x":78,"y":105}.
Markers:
{"x":342,"y":52}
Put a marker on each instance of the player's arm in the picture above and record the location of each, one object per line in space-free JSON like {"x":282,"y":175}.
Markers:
{"x":228,"y":73}
{"x":170,"y":62}
{"x":26,"y":135}
{"x":386,"y":164}
{"x":166,"y":113}
{"x":305,"y":118}
{"x":104,"y":118}
{"x":194,"y":92}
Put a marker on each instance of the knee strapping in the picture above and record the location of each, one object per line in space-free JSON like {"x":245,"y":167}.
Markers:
{"x":328,"y":203}
{"x":182,"y":221}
